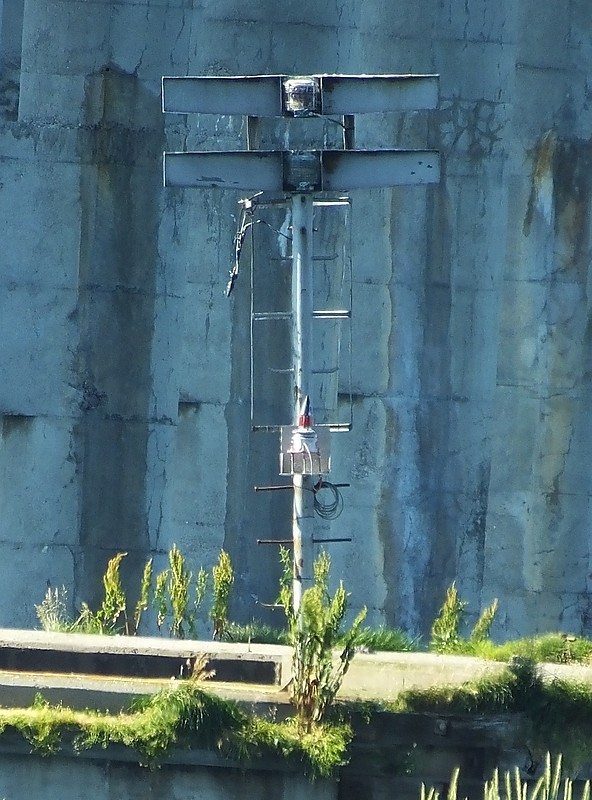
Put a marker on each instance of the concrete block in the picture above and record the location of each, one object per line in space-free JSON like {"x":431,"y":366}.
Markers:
{"x":28,"y":570}
{"x":177,"y":245}
{"x":491,"y":82}
{"x":206,"y":341}
{"x":371,"y":205}
{"x":77,"y":32}
{"x":517,"y":265}
{"x":359,"y":563}
{"x":40,"y":212}
{"x":537,"y":118}
{"x":411,"y":211}
{"x":480,"y":21}
{"x":514,"y":439}
{"x":204,"y":237}
{"x":570,"y":450}
{"x":466,"y":426}
{"x":376,"y":51}
{"x":472,"y":333}
{"x":118,"y":351}
{"x":200,"y":543}
{"x":403,"y":129}
{"x":299,"y":48}
{"x":525,"y":550}
{"x":165,"y":359}
{"x":507,"y":517}
{"x":197,"y":471}
{"x":205,"y":132}
{"x":36,"y":378}
{"x":548,"y":47}
{"x":113,"y":514}
{"x":50,"y":98}
{"x":68,"y":777}
{"x":522,"y":333}
{"x":558,"y":561}
{"x":358,"y":454}
{"x":532,"y":613}
{"x":479,"y":209}
{"x":39,"y":480}
{"x":168,"y":28}
{"x":371,"y":322}
{"x":159,"y":451}
{"x":399,"y":20}
{"x":247,"y":50}
{"x":307,"y":12}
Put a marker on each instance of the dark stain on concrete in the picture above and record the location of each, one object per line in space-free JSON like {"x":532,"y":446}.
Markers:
{"x":15,"y":423}
{"x":119,"y":191}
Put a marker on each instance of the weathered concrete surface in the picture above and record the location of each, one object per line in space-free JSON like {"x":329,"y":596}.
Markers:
{"x":124,"y":372}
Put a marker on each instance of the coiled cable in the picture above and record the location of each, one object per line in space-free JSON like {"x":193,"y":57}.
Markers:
{"x":331,"y":509}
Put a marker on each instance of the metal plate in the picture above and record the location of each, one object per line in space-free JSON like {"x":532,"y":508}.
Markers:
{"x":344,"y":170}
{"x":358,"y":94}
{"x":261,"y":95}
{"x":253,"y":170}
{"x":263,"y":170}
{"x":257,"y":95}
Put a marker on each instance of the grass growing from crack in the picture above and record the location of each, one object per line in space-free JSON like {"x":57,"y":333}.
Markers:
{"x":184,"y":716}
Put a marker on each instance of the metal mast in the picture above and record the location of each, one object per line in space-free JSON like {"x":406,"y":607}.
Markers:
{"x":299,"y":175}
{"x":302,"y":304}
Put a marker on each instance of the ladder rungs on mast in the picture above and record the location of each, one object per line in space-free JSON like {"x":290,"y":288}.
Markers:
{"x":341,"y":313}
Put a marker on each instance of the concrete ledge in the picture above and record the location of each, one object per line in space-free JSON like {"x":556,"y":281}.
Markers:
{"x":140,"y":657}
{"x":384,"y":675}
{"x":109,"y":671}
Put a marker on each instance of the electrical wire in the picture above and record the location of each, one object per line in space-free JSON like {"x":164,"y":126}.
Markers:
{"x":245,"y":221}
{"x":331,"y":509}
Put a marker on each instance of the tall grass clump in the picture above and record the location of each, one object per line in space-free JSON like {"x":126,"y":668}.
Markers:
{"x":222,"y":579}
{"x":447,"y":636}
{"x":552,"y":785}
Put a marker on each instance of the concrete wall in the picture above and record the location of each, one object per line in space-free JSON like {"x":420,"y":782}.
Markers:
{"x":71,"y":777}
{"x":124,"y":371}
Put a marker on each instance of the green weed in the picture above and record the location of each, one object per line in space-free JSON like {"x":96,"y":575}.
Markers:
{"x":314,"y":632}
{"x":446,"y":630}
{"x":223,"y":578}
{"x":144,"y":598}
{"x":184,"y":716}
{"x":510,"y":786}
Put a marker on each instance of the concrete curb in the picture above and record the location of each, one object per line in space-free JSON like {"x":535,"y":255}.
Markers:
{"x":85,"y":671}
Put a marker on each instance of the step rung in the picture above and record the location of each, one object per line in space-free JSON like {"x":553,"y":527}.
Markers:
{"x":337,"y":314}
